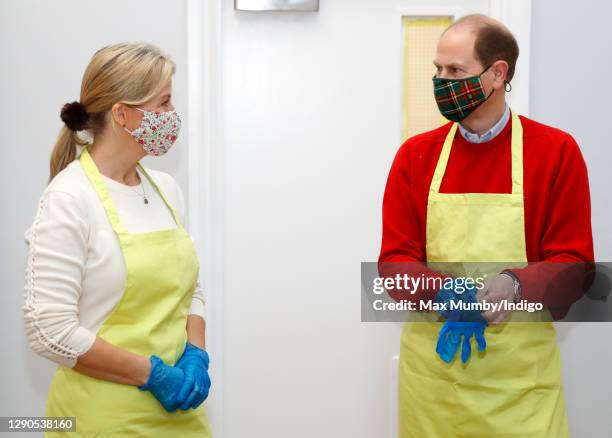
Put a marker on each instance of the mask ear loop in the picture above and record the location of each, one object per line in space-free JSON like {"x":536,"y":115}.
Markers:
{"x":506,"y":83}
{"x":486,"y":98}
{"x":481,"y":86}
{"x":482,"y":72}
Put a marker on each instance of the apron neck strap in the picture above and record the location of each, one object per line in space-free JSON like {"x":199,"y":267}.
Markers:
{"x":517,"y":155}
{"x":91,"y":170}
{"x":161,"y":194}
{"x":516,"y":152}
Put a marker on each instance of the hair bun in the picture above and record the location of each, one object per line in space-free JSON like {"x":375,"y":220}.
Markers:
{"x":74,"y":116}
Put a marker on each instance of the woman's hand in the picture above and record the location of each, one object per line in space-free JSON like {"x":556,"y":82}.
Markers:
{"x":108,"y":362}
{"x":164,"y":383}
{"x":194,"y":362}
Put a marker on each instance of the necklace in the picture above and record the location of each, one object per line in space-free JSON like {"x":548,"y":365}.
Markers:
{"x":144,"y":195}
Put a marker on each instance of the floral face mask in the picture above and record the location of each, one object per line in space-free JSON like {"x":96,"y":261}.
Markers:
{"x":157,"y":131}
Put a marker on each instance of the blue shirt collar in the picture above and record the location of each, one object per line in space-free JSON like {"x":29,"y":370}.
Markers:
{"x":473,"y":137}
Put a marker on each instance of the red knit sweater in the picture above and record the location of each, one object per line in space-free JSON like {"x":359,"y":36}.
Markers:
{"x":557,"y":202}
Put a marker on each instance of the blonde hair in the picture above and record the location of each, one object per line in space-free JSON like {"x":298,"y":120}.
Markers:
{"x":132,"y":73}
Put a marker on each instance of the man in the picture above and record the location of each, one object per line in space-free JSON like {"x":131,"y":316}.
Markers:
{"x":505,"y":188}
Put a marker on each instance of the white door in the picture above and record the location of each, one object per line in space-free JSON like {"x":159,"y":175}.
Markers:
{"x":308,"y":123}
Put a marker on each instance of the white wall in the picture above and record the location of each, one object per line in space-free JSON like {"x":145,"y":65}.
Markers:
{"x":571,"y":45}
{"x":46,"y":47}
{"x":310,"y":108}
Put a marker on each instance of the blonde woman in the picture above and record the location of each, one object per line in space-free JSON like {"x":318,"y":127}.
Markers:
{"x":112,"y":292}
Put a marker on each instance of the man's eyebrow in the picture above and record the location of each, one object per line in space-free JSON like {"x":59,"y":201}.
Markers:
{"x":451,"y":65}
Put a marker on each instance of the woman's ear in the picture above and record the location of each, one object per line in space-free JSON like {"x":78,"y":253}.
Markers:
{"x":119,"y":114}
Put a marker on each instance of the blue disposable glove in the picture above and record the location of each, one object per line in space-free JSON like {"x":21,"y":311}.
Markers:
{"x":194,"y":362}
{"x":164,"y":382}
{"x":450,"y":336}
{"x":459,"y":323}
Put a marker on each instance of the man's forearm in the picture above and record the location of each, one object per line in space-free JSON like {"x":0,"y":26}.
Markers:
{"x":554,"y":284}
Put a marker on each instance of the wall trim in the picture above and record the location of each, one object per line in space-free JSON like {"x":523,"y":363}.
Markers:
{"x":205,"y":167}
{"x":516,"y":14}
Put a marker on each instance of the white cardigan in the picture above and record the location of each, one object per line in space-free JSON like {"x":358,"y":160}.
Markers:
{"x":75,"y":272}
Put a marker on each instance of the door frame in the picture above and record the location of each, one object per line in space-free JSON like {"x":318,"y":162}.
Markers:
{"x":206,"y":189}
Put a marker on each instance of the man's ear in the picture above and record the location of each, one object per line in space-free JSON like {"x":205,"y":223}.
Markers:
{"x":500,"y":71}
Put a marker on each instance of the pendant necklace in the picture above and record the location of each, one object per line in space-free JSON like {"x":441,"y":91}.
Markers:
{"x":144,"y":195}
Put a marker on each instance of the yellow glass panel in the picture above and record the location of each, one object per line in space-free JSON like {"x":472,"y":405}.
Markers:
{"x":420,"y":112}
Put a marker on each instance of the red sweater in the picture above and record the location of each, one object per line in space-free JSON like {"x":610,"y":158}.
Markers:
{"x":557,"y":203}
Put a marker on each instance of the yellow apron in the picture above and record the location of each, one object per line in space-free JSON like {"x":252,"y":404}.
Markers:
{"x":162,"y":269}
{"x":513,"y":388}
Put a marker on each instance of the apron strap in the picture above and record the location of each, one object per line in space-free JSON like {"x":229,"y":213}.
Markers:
{"x":517,"y":155}
{"x":94,"y":176}
{"x":516,"y":152}
{"x":161,"y":194}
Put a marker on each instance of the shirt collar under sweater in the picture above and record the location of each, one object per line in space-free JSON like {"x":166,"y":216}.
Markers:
{"x":473,"y":137}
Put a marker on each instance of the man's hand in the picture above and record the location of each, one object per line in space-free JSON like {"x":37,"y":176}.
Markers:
{"x":496,"y":290}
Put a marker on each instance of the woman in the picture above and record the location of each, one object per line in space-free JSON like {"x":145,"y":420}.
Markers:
{"x":111,"y":289}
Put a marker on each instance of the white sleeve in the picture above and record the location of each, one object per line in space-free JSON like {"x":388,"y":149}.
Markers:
{"x":197,"y":302}
{"x":57,"y":251}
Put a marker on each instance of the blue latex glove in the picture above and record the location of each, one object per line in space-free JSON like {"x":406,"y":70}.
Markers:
{"x":459,"y":323}
{"x":450,"y":336}
{"x":164,"y":382}
{"x":194,"y":362}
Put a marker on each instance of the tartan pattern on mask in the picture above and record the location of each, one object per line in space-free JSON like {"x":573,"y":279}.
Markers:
{"x":457,"y":98}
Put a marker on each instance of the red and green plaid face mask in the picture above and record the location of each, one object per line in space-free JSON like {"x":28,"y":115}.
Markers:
{"x":458,"y":98}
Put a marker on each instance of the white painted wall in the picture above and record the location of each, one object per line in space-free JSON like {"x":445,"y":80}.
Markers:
{"x":46,"y":47}
{"x":570,"y":42}
{"x":308,"y":125}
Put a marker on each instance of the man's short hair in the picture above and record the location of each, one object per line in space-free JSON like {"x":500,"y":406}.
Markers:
{"x":493,"y":41}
